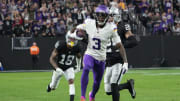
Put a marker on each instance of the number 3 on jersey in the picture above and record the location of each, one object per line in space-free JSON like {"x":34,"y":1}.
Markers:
{"x":97,"y":43}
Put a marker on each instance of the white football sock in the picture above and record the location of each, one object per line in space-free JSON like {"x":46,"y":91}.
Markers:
{"x":71,"y":89}
{"x":107,"y":87}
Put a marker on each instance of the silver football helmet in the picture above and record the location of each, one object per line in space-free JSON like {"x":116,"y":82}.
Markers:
{"x":71,"y":39}
{"x":115,"y":13}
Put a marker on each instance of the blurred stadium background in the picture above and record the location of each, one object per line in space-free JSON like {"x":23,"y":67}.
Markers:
{"x":156,"y":23}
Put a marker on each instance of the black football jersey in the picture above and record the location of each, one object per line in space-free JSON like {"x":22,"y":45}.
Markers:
{"x":122,"y":29}
{"x":113,"y":55}
{"x":66,"y":56}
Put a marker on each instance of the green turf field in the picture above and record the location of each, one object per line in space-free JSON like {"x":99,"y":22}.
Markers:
{"x":150,"y":85}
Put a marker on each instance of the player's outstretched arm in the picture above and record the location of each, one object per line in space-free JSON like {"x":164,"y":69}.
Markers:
{"x":52,"y":59}
{"x":122,"y":51}
{"x":131,"y":40}
{"x":123,"y":55}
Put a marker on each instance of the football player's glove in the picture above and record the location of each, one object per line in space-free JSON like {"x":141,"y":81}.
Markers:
{"x":125,"y":68}
{"x":77,"y":70}
{"x":60,"y":71}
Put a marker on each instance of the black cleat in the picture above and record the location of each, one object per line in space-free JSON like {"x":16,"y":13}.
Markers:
{"x":48,"y":89}
{"x":131,"y":88}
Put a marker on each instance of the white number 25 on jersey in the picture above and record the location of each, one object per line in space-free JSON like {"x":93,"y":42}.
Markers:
{"x":127,"y":27}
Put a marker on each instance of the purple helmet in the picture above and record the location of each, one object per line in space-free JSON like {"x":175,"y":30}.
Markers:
{"x":102,"y":14}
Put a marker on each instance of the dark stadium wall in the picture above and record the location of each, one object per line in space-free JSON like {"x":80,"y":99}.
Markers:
{"x":156,"y":51}
{"x":152,"y":51}
{"x":21,"y":59}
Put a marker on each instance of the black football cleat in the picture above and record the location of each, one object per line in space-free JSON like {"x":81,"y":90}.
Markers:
{"x":131,"y":88}
{"x":48,"y":89}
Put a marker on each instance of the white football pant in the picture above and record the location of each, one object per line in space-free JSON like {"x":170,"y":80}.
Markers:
{"x":113,"y":74}
{"x":69,"y":74}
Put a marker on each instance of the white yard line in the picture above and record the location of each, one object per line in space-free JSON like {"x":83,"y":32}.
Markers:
{"x":146,"y":72}
{"x":157,"y":74}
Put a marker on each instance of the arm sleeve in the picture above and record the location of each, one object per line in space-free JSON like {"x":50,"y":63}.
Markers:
{"x":59,"y":45}
{"x":130,"y":42}
{"x":79,"y":48}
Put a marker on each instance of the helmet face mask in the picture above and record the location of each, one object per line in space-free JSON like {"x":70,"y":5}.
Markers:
{"x":101,"y":15}
{"x":71,"y":39}
{"x":117,"y":18}
{"x":116,"y":14}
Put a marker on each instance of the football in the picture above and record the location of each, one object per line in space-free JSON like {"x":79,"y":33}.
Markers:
{"x":80,"y":33}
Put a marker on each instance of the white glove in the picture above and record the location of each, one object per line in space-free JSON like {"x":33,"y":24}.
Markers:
{"x":125,"y":67}
{"x":77,"y":70}
{"x":60,"y":71}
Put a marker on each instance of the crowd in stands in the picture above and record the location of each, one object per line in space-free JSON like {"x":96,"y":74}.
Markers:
{"x":160,"y":16}
{"x":52,"y":18}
